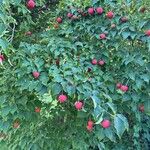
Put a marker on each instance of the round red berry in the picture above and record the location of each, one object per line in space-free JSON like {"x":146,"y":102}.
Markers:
{"x":91,"y":11}
{"x":124,"y":88}
{"x":147,"y":33}
{"x":118,"y":85}
{"x":59,"y":20}
{"x":69,"y":15}
{"x":141,"y":108}
{"x":110,"y":15}
{"x":78,"y":105}
{"x":124,"y":19}
{"x":105,"y":123}
{"x":94,"y":61}
{"x":90,"y":123}
{"x":62,"y":98}
{"x":99,"y":10}
{"x":89,"y":128}
{"x":35,"y":74}
{"x":101,"y":62}
{"x":31,"y":4}
{"x":37,"y":109}
{"x":102,"y":36}
{"x":16,"y":125}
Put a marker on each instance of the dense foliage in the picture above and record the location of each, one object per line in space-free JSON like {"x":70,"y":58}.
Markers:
{"x":75,"y":75}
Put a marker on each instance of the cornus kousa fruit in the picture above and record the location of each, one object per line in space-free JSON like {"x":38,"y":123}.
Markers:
{"x":99,"y":10}
{"x":101,"y":62}
{"x":118,"y":85}
{"x":84,"y":14}
{"x":105,"y":123}
{"x":90,"y":123}
{"x":74,"y":17}
{"x":78,"y":105}
{"x":1,"y":58}
{"x":110,"y":15}
{"x":59,"y":20}
{"x":31,"y":4}
{"x":89,"y":128}
{"x":124,"y":19}
{"x":57,"y":62}
{"x":16,"y":125}
{"x":142,"y":9}
{"x":69,"y":15}
{"x":141,"y":108}
{"x":35,"y":74}
{"x":28,"y":33}
{"x":147,"y":33}
{"x":102,"y":36}
{"x":37,"y":109}
{"x":124,"y":88}
{"x":94,"y":61}
{"x":62,"y":98}
{"x":56,"y":26}
{"x":113,"y":25}
{"x":89,"y":70}
{"x":91,"y":11}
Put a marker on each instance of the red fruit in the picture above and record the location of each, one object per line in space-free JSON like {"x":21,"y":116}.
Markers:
{"x":110,"y":15}
{"x":102,"y":36}
{"x":37,"y":109}
{"x":89,"y":128}
{"x":124,"y":88}
{"x":101,"y":62}
{"x":2,"y":57}
{"x":80,"y":11}
{"x":105,"y":123}
{"x":118,"y":85}
{"x":16,"y":125}
{"x":141,"y":108}
{"x":89,"y":70}
{"x":124,"y":19}
{"x":94,"y":61}
{"x":30,"y":4}
{"x":35,"y":74}
{"x":90,"y":123}
{"x":113,"y":25}
{"x":57,"y":62}
{"x":59,"y":20}
{"x":74,"y":17}
{"x":142,"y":10}
{"x":62,"y":98}
{"x":1,"y":60}
{"x":84,"y":14}
{"x":99,"y":10}
{"x":147,"y":32}
{"x":78,"y":105}
{"x":56,"y":26}
{"x":91,"y":11}
{"x":69,"y":15}
{"x":28,"y":33}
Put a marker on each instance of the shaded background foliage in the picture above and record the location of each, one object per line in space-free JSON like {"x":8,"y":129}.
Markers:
{"x":74,"y":44}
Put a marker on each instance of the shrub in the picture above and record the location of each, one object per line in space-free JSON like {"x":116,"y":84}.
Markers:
{"x":97,"y":60}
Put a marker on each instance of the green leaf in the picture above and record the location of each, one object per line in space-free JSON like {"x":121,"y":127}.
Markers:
{"x":145,"y":77}
{"x":125,"y":34}
{"x":120,"y":124}
{"x":3,"y":44}
{"x":96,"y":100}
{"x":2,"y":28}
{"x":109,"y":134}
{"x":56,"y":88}
{"x":147,"y":107}
{"x":112,"y":107}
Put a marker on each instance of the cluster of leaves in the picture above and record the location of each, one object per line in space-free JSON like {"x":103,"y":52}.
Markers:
{"x":62,"y":55}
